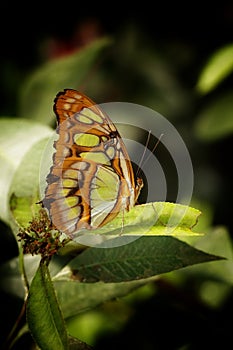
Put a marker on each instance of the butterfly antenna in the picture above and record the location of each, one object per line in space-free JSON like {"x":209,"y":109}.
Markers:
{"x":144,"y":152}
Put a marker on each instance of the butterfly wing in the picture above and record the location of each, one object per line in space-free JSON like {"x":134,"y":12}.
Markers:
{"x":91,"y":179}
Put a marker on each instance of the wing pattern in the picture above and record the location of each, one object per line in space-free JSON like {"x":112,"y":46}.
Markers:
{"x":91,"y":179}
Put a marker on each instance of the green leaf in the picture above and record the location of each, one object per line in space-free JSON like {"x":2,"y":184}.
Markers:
{"x":215,"y":121}
{"x":219,"y":66}
{"x":44,"y":316}
{"x":39,"y":91}
{"x":143,"y":258}
{"x":75,"y":297}
{"x":158,"y":218}
{"x":24,"y":190}
{"x":16,"y":137}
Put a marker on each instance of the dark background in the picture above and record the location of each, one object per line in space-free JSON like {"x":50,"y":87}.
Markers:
{"x":26,"y":29}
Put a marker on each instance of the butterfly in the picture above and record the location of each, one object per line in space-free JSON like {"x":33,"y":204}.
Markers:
{"x":91,"y":179}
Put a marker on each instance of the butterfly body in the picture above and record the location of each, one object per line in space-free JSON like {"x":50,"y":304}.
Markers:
{"x":91,"y":179}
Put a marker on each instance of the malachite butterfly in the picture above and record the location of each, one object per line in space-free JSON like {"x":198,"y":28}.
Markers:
{"x":91,"y":179}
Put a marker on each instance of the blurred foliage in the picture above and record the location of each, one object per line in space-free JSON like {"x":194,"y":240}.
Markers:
{"x":218,"y":67}
{"x":190,"y":83}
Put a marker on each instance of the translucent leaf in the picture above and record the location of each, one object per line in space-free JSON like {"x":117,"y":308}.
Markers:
{"x":40,"y":89}
{"x":158,"y":218}
{"x":16,"y":137}
{"x":219,"y":66}
{"x":215,"y":121}
{"x":24,"y":191}
{"x":167,"y":217}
